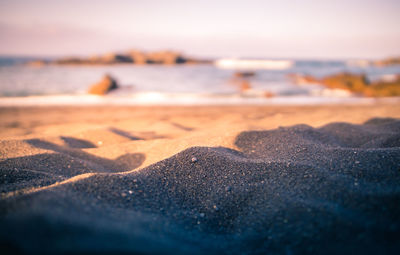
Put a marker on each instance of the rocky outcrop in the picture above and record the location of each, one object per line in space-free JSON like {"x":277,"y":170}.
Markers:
{"x":37,"y":63}
{"x":110,"y":58}
{"x":158,"y":57}
{"x":239,"y":74}
{"x":138,"y":57}
{"x":347,"y":81}
{"x":103,"y":87}
{"x":166,"y":58}
{"x":383,"y":88}
{"x":355,"y":83}
{"x":132,"y":57}
{"x":388,"y":61}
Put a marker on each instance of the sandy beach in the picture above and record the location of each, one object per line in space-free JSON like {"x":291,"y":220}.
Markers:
{"x":321,"y":179}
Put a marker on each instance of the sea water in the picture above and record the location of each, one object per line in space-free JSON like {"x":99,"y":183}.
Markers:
{"x":180,"y":83}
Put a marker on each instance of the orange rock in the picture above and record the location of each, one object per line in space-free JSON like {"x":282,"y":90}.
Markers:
{"x":268,"y":94}
{"x":358,"y":83}
{"x":388,"y":61}
{"x":104,"y":86}
{"x":347,"y":81}
{"x":385,"y":88}
{"x":244,"y":86}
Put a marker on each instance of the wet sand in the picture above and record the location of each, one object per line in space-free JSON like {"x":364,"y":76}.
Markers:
{"x":200,"y":180}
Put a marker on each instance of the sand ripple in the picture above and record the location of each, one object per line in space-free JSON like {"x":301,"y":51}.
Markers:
{"x":298,"y":189}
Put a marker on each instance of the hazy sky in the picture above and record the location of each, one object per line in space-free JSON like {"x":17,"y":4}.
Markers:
{"x":276,"y":28}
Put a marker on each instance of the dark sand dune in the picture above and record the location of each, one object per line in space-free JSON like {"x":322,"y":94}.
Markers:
{"x":65,"y":162}
{"x":293,"y":190}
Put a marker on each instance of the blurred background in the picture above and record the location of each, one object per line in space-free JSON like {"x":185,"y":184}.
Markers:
{"x":199,"y":51}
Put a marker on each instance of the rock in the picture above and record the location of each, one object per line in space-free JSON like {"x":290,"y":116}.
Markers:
{"x":104,"y":86}
{"x":194,"y":160}
{"x":358,"y":83}
{"x":112,"y":58}
{"x":158,"y":57}
{"x":388,"y":61}
{"x":269,"y":94}
{"x":245,"y":86}
{"x":382,"y":88}
{"x":134,"y":57}
{"x":138,"y":57}
{"x":70,"y":61}
{"x":166,"y":57}
{"x":347,"y":81}
{"x":107,"y":59}
{"x":37,"y":63}
{"x":244,"y":74}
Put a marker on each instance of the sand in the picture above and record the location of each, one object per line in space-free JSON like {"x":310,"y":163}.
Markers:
{"x":200,"y":180}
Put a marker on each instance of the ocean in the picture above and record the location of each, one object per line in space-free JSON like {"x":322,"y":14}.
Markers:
{"x":189,"y":84}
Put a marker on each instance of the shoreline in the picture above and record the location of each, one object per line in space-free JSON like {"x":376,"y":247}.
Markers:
{"x":184,"y":99}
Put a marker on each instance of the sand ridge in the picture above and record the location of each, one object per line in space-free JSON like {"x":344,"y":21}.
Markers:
{"x":92,"y":139}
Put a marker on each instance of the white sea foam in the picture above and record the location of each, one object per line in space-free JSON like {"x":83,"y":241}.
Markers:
{"x":325,"y":92}
{"x":358,"y":63}
{"x":154,"y":98}
{"x":253,"y":64}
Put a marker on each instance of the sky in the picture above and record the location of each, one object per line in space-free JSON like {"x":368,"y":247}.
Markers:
{"x":269,"y":29}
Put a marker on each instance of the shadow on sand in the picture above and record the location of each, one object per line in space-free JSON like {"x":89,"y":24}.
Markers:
{"x":66,"y":162}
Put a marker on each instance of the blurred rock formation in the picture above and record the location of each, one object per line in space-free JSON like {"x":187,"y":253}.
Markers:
{"x":129,"y":57}
{"x":355,"y":83}
{"x":104,"y":86}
